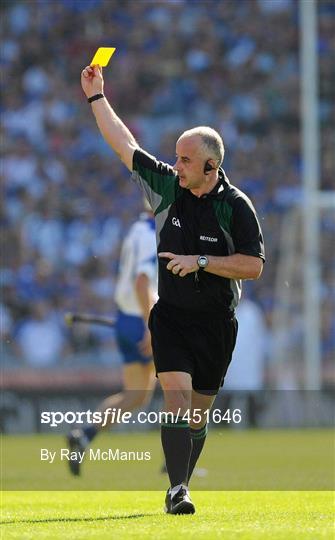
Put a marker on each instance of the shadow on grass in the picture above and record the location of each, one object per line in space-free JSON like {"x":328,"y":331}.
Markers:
{"x":58,"y":520}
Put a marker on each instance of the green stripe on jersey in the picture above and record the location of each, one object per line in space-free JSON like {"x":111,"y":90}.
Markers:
{"x":223,"y":212}
{"x":171,"y":192}
{"x":163,"y":189}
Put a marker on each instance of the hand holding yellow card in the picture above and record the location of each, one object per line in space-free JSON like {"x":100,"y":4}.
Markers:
{"x":103,"y":56}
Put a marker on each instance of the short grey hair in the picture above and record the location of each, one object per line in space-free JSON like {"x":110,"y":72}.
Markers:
{"x":212,"y":142}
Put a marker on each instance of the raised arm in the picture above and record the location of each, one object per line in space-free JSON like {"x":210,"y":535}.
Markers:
{"x":115,"y":133}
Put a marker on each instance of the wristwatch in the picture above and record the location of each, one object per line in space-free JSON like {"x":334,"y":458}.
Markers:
{"x":202,"y":262}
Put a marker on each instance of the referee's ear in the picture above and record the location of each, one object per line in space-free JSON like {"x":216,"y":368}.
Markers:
{"x":210,"y":165}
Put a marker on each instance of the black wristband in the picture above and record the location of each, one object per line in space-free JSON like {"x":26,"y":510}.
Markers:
{"x":95,"y":97}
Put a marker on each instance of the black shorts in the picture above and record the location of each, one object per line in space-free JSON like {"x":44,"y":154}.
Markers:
{"x":198,"y":344}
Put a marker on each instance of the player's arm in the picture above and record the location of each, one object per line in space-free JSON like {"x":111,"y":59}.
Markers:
{"x":146,"y":301}
{"x":114,"y":131}
{"x":144,"y":296}
{"x":236,"y":266}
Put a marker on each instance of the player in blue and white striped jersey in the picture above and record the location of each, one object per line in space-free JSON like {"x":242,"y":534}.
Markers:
{"x":136,"y":293}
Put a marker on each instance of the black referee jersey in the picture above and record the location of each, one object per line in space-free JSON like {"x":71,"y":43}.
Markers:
{"x":219,"y":223}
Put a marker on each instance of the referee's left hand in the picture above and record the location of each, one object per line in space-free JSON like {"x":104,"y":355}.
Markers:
{"x":180,"y":265}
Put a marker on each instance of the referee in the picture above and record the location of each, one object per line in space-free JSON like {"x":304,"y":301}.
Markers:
{"x":209,"y":240}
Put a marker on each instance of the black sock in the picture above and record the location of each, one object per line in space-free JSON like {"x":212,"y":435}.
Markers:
{"x":198,"y":437}
{"x":177,"y":446}
{"x":90,"y":432}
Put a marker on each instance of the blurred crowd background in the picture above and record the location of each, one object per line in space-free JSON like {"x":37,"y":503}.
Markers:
{"x":67,"y":201}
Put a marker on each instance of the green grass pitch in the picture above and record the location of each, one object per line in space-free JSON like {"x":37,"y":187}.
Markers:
{"x":79,"y":509}
{"x":225,"y":515}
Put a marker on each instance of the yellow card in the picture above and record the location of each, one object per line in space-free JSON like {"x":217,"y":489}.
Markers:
{"x":103,"y":56}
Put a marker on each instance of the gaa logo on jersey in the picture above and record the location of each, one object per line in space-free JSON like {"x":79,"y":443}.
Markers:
{"x":176,"y":222}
